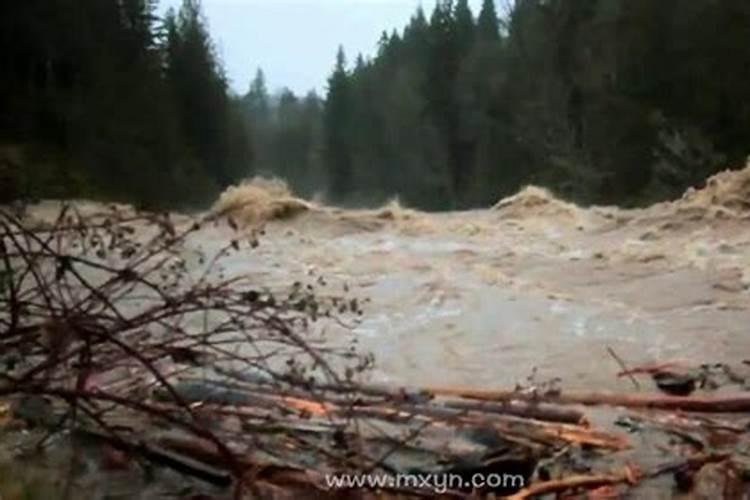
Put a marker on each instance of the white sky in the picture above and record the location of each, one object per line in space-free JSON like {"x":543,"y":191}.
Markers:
{"x":295,"y":41}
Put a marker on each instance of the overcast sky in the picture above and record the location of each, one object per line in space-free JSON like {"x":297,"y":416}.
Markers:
{"x":295,"y":41}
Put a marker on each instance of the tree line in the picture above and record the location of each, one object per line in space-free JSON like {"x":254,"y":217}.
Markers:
{"x":102,"y":99}
{"x":603,"y":101}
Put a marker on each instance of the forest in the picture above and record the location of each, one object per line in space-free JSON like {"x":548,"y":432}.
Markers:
{"x":602,"y":101}
{"x":100,"y":99}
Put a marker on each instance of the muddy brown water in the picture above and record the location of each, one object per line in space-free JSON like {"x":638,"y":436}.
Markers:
{"x":484,"y":298}
{"x":481,"y":299}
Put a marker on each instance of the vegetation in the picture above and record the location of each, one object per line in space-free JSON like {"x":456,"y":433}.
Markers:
{"x":604,"y":101}
{"x":285,"y":131}
{"x":101,"y":99}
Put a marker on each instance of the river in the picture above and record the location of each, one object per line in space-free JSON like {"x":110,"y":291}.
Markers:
{"x":534,"y":284}
{"x":531,"y":290}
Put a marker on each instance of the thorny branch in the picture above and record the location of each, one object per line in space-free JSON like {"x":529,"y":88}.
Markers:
{"x":103,"y":308}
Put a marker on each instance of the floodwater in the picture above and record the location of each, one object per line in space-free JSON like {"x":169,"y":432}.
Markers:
{"x":484,"y":298}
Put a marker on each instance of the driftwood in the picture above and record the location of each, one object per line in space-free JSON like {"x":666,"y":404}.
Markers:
{"x":239,"y":392}
{"x":650,"y":369}
{"x":525,"y":409}
{"x":389,"y":392}
{"x":726,"y":403}
{"x":548,"y":433}
{"x":625,"y":371}
{"x":523,"y":424}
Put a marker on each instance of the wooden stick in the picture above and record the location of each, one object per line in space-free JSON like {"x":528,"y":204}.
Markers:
{"x":649,"y":369}
{"x":537,"y":411}
{"x":624,"y":368}
{"x":728,"y":403}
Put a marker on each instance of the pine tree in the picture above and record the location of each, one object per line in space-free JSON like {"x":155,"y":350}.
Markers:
{"x":337,"y":122}
{"x":99,"y":92}
{"x":257,"y":99}
{"x":417,"y":42}
{"x":465,"y":27}
{"x":488,"y":25}
{"x":200,"y":89}
{"x":256,"y":113}
{"x":596,"y":99}
{"x":440,"y":92}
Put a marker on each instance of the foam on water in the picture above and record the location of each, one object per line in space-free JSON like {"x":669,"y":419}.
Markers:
{"x":486,"y":295}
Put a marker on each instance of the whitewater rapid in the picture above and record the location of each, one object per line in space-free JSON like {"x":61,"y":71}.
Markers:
{"x":487,"y":297}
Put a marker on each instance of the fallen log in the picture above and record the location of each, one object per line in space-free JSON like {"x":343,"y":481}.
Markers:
{"x":233,"y":392}
{"x":734,"y":403}
{"x":727,"y":403}
{"x":394,"y":393}
{"x":525,"y":409}
{"x":278,"y":389}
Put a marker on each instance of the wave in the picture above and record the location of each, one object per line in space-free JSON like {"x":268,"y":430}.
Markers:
{"x":259,"y":200}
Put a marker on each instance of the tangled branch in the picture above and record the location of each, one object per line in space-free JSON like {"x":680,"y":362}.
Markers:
{"x":101,"y":316}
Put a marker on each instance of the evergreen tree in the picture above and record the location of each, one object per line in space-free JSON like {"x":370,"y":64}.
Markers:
{"x":465,"y":27}
{"x":605,"y":101}
{"x":101,"y":101}
{"x":416,"y":41}
{"x":488,"y":25}
{"x":337,"y":128}
{"x":200,"y":89}
{"x":257,"y":99}
{"x":256,"y":111}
